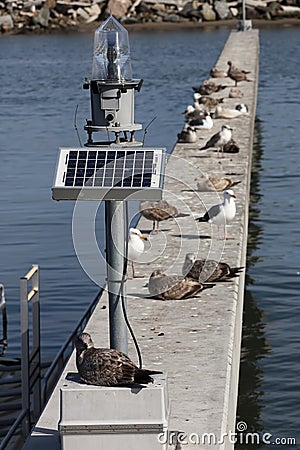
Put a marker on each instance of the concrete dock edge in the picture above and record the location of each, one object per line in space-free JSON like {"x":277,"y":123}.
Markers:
{"x":196,"y":341}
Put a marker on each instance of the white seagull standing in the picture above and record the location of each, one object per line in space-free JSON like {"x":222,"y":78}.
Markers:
{"x":219,"y":139}
{"x":223,"y":213}
{"x":136,"y":247}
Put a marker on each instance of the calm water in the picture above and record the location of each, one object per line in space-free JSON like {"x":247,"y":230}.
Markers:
{"x":41,"y":84}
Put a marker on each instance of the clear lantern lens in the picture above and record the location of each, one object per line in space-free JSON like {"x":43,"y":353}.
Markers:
{"x":112,"y":60}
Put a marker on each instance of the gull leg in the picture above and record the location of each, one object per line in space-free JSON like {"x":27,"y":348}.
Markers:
{"x":133,"y":272}
{"x":227,"y":238}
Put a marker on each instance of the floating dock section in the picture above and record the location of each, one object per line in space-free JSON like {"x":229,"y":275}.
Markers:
{"x":196,"y":342}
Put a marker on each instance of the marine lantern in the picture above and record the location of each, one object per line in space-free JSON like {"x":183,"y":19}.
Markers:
{"x":112,"y":86}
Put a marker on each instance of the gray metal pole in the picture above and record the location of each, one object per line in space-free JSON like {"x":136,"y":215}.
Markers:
{"x":115,"y":249}
{"x":244,"y":15}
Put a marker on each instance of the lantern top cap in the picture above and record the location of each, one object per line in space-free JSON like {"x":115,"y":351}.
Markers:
{"x":111,"y":23}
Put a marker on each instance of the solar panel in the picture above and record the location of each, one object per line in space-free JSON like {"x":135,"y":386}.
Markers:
{"x":110,"y":174}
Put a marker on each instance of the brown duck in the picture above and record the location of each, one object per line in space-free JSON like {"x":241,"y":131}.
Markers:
{"x":106,"y":366}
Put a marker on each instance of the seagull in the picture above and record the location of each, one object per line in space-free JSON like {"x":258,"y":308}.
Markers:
{"x":235,"y":93}
{"x":223,"y":213}
{"x":208,"y":102}
{"x":158,"y":211}
{"x":136,"y":247}
{"x":194,"y":112}
{"x":208,"y":270}
{"x":188,"y":135}
{"x":231,"y":147}
{"x":208,"y":88}
{"x":219,"y":139}
{"x":229,"y":113}
{"x":236,"y":74}
{"x":242,"y":108}
{"x":174,"y":287}
{"x":206,"y":123}
{"x":208,"y":183}
{"x":107,"y":366}
{"x":217,"y":73}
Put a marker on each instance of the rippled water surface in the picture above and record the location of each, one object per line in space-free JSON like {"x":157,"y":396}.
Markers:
{"x":41,"y":84}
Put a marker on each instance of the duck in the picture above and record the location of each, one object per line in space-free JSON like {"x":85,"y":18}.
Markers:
{"x":236,"y":74}
{"x":107,"y":366}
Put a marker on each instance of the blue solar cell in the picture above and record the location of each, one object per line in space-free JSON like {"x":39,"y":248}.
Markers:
{"x":127,"y":168}
{"x":82,"y":154}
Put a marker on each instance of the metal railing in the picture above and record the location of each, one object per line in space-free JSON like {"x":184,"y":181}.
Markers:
{"x":30,"y":360}
{"x":31,"y":357}
{"x":32,"y":383}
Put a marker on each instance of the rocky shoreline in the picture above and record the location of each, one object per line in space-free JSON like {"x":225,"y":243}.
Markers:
{"x":22,"y":16}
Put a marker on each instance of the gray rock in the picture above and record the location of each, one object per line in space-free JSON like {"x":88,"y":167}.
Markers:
{"x":188,"y":9}
{"x":207,"y":12}
{"x":119,"y":8}
{"x":222,"y":10}
{"x":6,"y":22}
{"x":172,"y":18}
{"x":43,"y":16}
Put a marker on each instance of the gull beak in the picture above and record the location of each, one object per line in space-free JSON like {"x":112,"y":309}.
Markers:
{"x":233,"y":195}
{"x":144,"y":237}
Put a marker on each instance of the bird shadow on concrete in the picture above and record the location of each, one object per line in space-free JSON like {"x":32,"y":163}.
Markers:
{"x":191,"y":236}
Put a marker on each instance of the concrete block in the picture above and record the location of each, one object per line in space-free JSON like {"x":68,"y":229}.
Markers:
{"x":100,"y":417}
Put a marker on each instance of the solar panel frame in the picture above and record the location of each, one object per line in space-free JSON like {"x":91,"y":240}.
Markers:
{"x":109,"y":173}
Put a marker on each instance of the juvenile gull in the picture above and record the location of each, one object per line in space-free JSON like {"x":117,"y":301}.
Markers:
{"x":107,"y":367}
{"x":158,"y":211}
{"x":202,"y":124}
{"x":188,"y":135}
{"x":235,"y":93}
{"x":208,"y":270}
{"x":194,"y":112}
{"x":231,"y":147}
{"x":209,"y":183}
{"x":218,"y":73}
{"x":136,"y":247}
{"x":236,"y":74}
{"x":173,"y":287}
{"x":223,"y":213}
{"x":208,"y":102}
{"x":208,"y":88}
{"x":219,"y":139}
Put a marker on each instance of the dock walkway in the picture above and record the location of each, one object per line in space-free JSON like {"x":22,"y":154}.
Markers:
{"x":196,"y":341}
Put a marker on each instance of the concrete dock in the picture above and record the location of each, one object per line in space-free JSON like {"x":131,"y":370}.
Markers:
{"x":195,"y":341}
